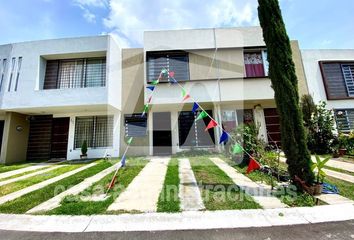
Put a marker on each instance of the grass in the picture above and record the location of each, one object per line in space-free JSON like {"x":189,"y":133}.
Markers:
{"x":22,"y":174}
{"x":30,"y":200}
{"x":346,"y":189}
{"x":73,"y":205}
{"x":339,"y":170}
{"x":6,"y":168}
{"x":15,"y":186}
{"x":217,"y":189}
{"x":169,"y":200}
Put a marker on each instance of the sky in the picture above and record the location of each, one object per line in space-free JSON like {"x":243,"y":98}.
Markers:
{"x":324,"y":24}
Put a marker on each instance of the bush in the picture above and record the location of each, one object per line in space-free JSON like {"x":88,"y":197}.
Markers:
{"x":308,"y":107}
{"x":84,"y":148}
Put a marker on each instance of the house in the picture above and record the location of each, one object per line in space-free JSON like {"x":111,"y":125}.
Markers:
{"x":224,"y":70}
{"x":54,"y":94}
{"x":330,"y":78}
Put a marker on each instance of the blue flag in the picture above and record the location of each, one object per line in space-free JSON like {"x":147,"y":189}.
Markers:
{"x":151,"y":88}
{"x":224,"y":137}
{"x":173,"y":80}
{"x":195,"y":107}
{"x":123,"y":161}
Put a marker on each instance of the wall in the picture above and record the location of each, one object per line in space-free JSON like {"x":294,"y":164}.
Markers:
{"x":314,"y":76}
{"x":14,"y":146}
{"x":299,"y":68}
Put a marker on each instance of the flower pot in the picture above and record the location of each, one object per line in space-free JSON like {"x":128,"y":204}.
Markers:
{"x":83,"y":156}
{"x":342,"y":151}
{"x":316,"y":189}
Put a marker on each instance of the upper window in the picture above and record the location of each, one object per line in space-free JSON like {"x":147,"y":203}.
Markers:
{"x":256,"y":63}
{"x":97,"y":131}
{"x":3,"y":70}
{"x":338,"y":79}
{"x":344,"y":119}
{"x":176,"y":61}
{"x":75,"y":73}
{"x":135,"y":125}
{"x":13,"y":64}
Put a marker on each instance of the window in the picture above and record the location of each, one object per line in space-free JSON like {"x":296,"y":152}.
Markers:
{"x":12,"y":73}
{"x":233,"y":118}
{"x":96,"y":130}
{"x":176,"y":61}
{"x":192,"y":133}
{"x":18,"y":72}
{"x":256,"y":63}
{"x":3,"y":70}
{"x":75,"y":73}
{"x":344,"y":119}
{"x":135,"y":125}
{"x":348,"y":73}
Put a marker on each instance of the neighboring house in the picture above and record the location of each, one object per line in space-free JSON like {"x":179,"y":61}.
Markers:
{"x":330,"y":78}
{"x":57,"y":93}
{"x":225,"y":70}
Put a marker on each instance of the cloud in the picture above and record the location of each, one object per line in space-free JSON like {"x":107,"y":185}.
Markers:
{"x":128,"y":19}
{"x":87,"y":5}
{"x":90,"y":17}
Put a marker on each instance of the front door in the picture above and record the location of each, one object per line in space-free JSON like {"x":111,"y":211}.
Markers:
{"x":60,"y":133}
{"x":2,"y":123}
{"x":162,"y":136}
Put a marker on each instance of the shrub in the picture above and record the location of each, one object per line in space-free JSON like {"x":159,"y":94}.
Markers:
{"x":84,"y":148}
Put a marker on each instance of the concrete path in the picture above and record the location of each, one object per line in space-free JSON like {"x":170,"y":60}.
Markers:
{"x":339,"y":175}
{"x":37,"y":186}
{"x":180,"y":221}
{"x":189,"y":193}
{"x":55,"y":201}
{"x":334,"y":199}
{"x":338,"y":164}
{"x":11,"y":180}
{"x":143,"y":192}
{"x":21,"y":170}
{"x":259,"y":193}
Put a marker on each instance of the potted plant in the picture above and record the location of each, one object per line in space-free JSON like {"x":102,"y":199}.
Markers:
{"x":83,"y":150}
{"x":342,"y":142}
{"x":317,"y":168}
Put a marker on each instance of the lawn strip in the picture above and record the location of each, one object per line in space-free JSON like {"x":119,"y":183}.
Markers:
{"x":32,"y":199}
{"x":169,"y":200}
{"x":339,"y":170}
{"x":73,"y":205}
{"x":7,"y":168}
{"x":24,"y":173}
{"x":346,"y":189}
{"x":217,"y":189}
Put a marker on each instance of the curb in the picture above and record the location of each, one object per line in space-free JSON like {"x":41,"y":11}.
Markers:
{"x":193,"y":220}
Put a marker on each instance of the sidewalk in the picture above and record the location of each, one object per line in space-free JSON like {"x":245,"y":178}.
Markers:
{"x":192,"y":220}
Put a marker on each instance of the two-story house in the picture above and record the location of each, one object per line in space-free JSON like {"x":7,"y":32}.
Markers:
{"x":330,"y":78}
{"x":224,"y":70}
{"x":55,"y":94}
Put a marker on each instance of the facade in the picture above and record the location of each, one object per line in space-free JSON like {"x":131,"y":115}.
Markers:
{"x":330,"y":78}
{"x":57,"y":93}
{"x":224,"y":70}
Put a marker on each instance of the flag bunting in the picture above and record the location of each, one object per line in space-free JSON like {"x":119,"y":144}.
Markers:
{"x":236,"y":149}
{"x":171,"y":74}
{"x":202,"y":115}
{"x":224,"y":137}
{"x":195,"y":107}
{"x":151,"y":88}
{"x":253,"y":165}
{"x":186,"y":97}
{"x":211,"y":124}
{"x":155,"y":82}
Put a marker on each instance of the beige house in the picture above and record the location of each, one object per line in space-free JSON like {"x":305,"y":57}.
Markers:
{"x":224,"y":70}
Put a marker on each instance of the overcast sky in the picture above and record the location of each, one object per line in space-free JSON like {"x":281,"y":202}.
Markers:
{"x":315,"y":23}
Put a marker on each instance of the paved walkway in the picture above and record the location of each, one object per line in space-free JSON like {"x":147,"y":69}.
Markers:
{"x":55,"y":201}
{"x":22,"y":170}
{"x":189,"y":193}
{"x":338,"y":164}
{"x":37,"y":186}
{"x":179,"y":221}
{"x":143,"y":192}
{"x":259,"y":193}
{"x":334,"y":199}
{"x":11,"y":180}
{"x":339,"y":175}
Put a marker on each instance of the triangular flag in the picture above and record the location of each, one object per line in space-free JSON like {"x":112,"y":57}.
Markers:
{"x":149,"y":100}
{"x":155,"y":82}
{"x":130,"y":140}
{"x":171,"y":74}
{"x":195,"y":107}
{"x":253,"y":165}
{"x":211,"y":124}
{"x":184,"y":93}
{"x":164,"y":71}
{"x":173,"y":80}
{"x":151,"y":88}
{"x":146,"y":109}
{"x":122,"y":162}
{"x":202,"y":115}
{"x":236,"y":149}
{"x":224,"y":137}
{"x":186,"y":97}
{"x":111,"y":184}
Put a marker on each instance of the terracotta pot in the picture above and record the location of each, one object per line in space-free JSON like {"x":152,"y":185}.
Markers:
{"x":317,"y":189}
{"x":342,"y":151}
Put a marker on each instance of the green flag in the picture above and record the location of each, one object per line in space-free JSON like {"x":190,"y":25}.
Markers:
{"x":130,"y":140}
{"x":202,"y":115}
{"x":155,"y":82}
{"x":164,"y":71}
{"x":183,"y":92}
{"x":146,"y":108}
{"x":236,"y":149}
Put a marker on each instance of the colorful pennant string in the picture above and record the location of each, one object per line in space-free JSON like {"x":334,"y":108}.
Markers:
{"x":155,"y":82}
{"x":224,"y":137}
{"x":253,"y":165}
{"x":202,"y":115}
{"x":130,"y":140}
{"x":211,"y":124}
{"x":122,"y":162}
{"x":173,"y":80}
{"x":171,"y":74}
{"x":151,"y":88}
{"x":195,"y":107}
{"x":149,"y":100}
{"x":186,"y":97}
{"x":184,"y":93}
{"x":236,"y":149}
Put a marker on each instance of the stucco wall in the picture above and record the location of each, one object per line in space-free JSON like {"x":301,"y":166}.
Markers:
{"x":299,"y":68}
{"x":14,"y":144}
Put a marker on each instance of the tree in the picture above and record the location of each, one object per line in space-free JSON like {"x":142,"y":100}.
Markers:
{"x":285,"y":85}
{"x":308,"y":108}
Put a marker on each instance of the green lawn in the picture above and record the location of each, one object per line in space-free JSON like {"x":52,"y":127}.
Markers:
{"x":218,"y":190}
{"x":6,"y":168}
{"x":346,"y":189}
{"x":30,"y":200}
{"x":73,"y":205}
{"x":169,"y":200}
{"x":22,"y":174}
{"x":339,"y":170}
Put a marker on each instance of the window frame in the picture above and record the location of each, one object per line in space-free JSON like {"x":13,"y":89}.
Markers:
{"x":263,"y":52}
{"x":135,"y":116}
